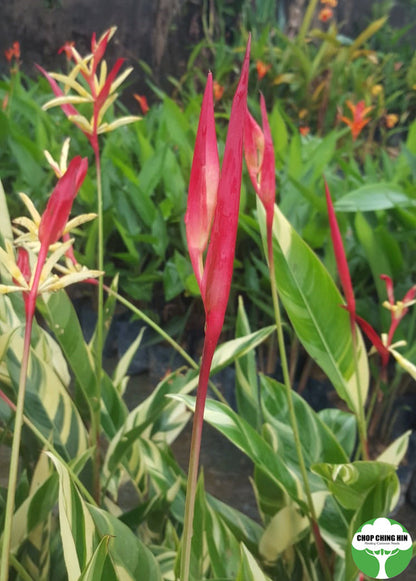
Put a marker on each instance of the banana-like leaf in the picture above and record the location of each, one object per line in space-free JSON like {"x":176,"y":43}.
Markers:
{"x":313,"y":305}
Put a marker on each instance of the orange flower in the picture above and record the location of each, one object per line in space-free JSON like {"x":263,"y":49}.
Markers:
{"x":13,"y":51}
{"x":262,"y":69}
{"x":304,"y":130}
{"x":325,"y":14}
{"x":331,"y":3}
{"x":141,"y":99}
{"x":358,"y":121}
{"x":391,"y":120}
{"x":67,"y":48}
{"x":218,"y":90}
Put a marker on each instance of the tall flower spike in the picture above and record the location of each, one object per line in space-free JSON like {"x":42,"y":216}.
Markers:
{"x":215,"y":277}
{"x":203,"y":185}
{"x":100,"y":91}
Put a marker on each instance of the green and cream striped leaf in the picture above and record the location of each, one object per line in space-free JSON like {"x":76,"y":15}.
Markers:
{"x":48,"y":404}
{"x":313,"y":304}
{"x":249,"y":568}
{"x":76,"y":524}
{"x":250,"y":442}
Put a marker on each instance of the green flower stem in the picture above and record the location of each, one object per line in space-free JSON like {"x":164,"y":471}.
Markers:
{"x":96,"y":403}
{"x":14,"y":459}
{"x":293,"y":421}
{"x":164,"y":336}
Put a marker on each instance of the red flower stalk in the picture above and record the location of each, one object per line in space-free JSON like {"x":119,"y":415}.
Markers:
{"x":358,"y":121}
{"x":212,"y":199}
{"x":259,"y":155}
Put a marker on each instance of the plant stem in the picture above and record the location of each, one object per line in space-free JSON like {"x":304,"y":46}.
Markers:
{"x":292,"y":416}
{"x":14,"y":459}
{"x":96,"y":404}
{"x":194,"y":453}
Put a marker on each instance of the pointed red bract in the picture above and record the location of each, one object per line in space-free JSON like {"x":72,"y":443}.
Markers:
{"x":203,"y":185}
{"x":216,"y":281}
{"x":57,"y":211}
{"x":259,"y":155}
{"x":341,"y":259}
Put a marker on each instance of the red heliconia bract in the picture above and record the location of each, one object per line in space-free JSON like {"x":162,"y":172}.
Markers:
{"x":260,"y":161}
{"x":59,"y":206}
{"x":218,"y":270}
{"x":341,"y":259}
{"x":203,"y":185}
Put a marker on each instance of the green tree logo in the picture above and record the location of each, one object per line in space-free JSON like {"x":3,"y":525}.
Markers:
{"x":382,"y":548}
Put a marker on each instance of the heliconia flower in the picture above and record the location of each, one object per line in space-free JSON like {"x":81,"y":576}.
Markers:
{"x":13,"y":52}
{"x":331,"y":3}
{"x":212,"y":214}
{"x":100,"y":91}
{"x":42,"y":236}
{"x":304,"y":130}
{"x":262,"y":69}
{"x":358,"y":121}
{"x":67,"y":48}
{"x":391,"y":120}
{"x":325,"y":14}
{"x":203,"y":185}
{"x":397,"y":309}
{"x":259,"y":156}
{"x":141,"y":99}
{"x":218,"y":91}
{"x":384,"y":344}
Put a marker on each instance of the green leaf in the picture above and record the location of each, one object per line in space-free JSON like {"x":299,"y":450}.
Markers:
{"x":95,"y":568}
{"x":313,"y":305}
{"x":351,"y":483}
{"x":318,"y":442}
{"x":131,"y":560}
{"x":247,"y":391}
{"x":344,"y":427}
{"x":244,"y":437}
{"x":76,"y":525}
{"x":372,"y":197}
{"x":249,"y":568}
{"x":395,"y":453}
